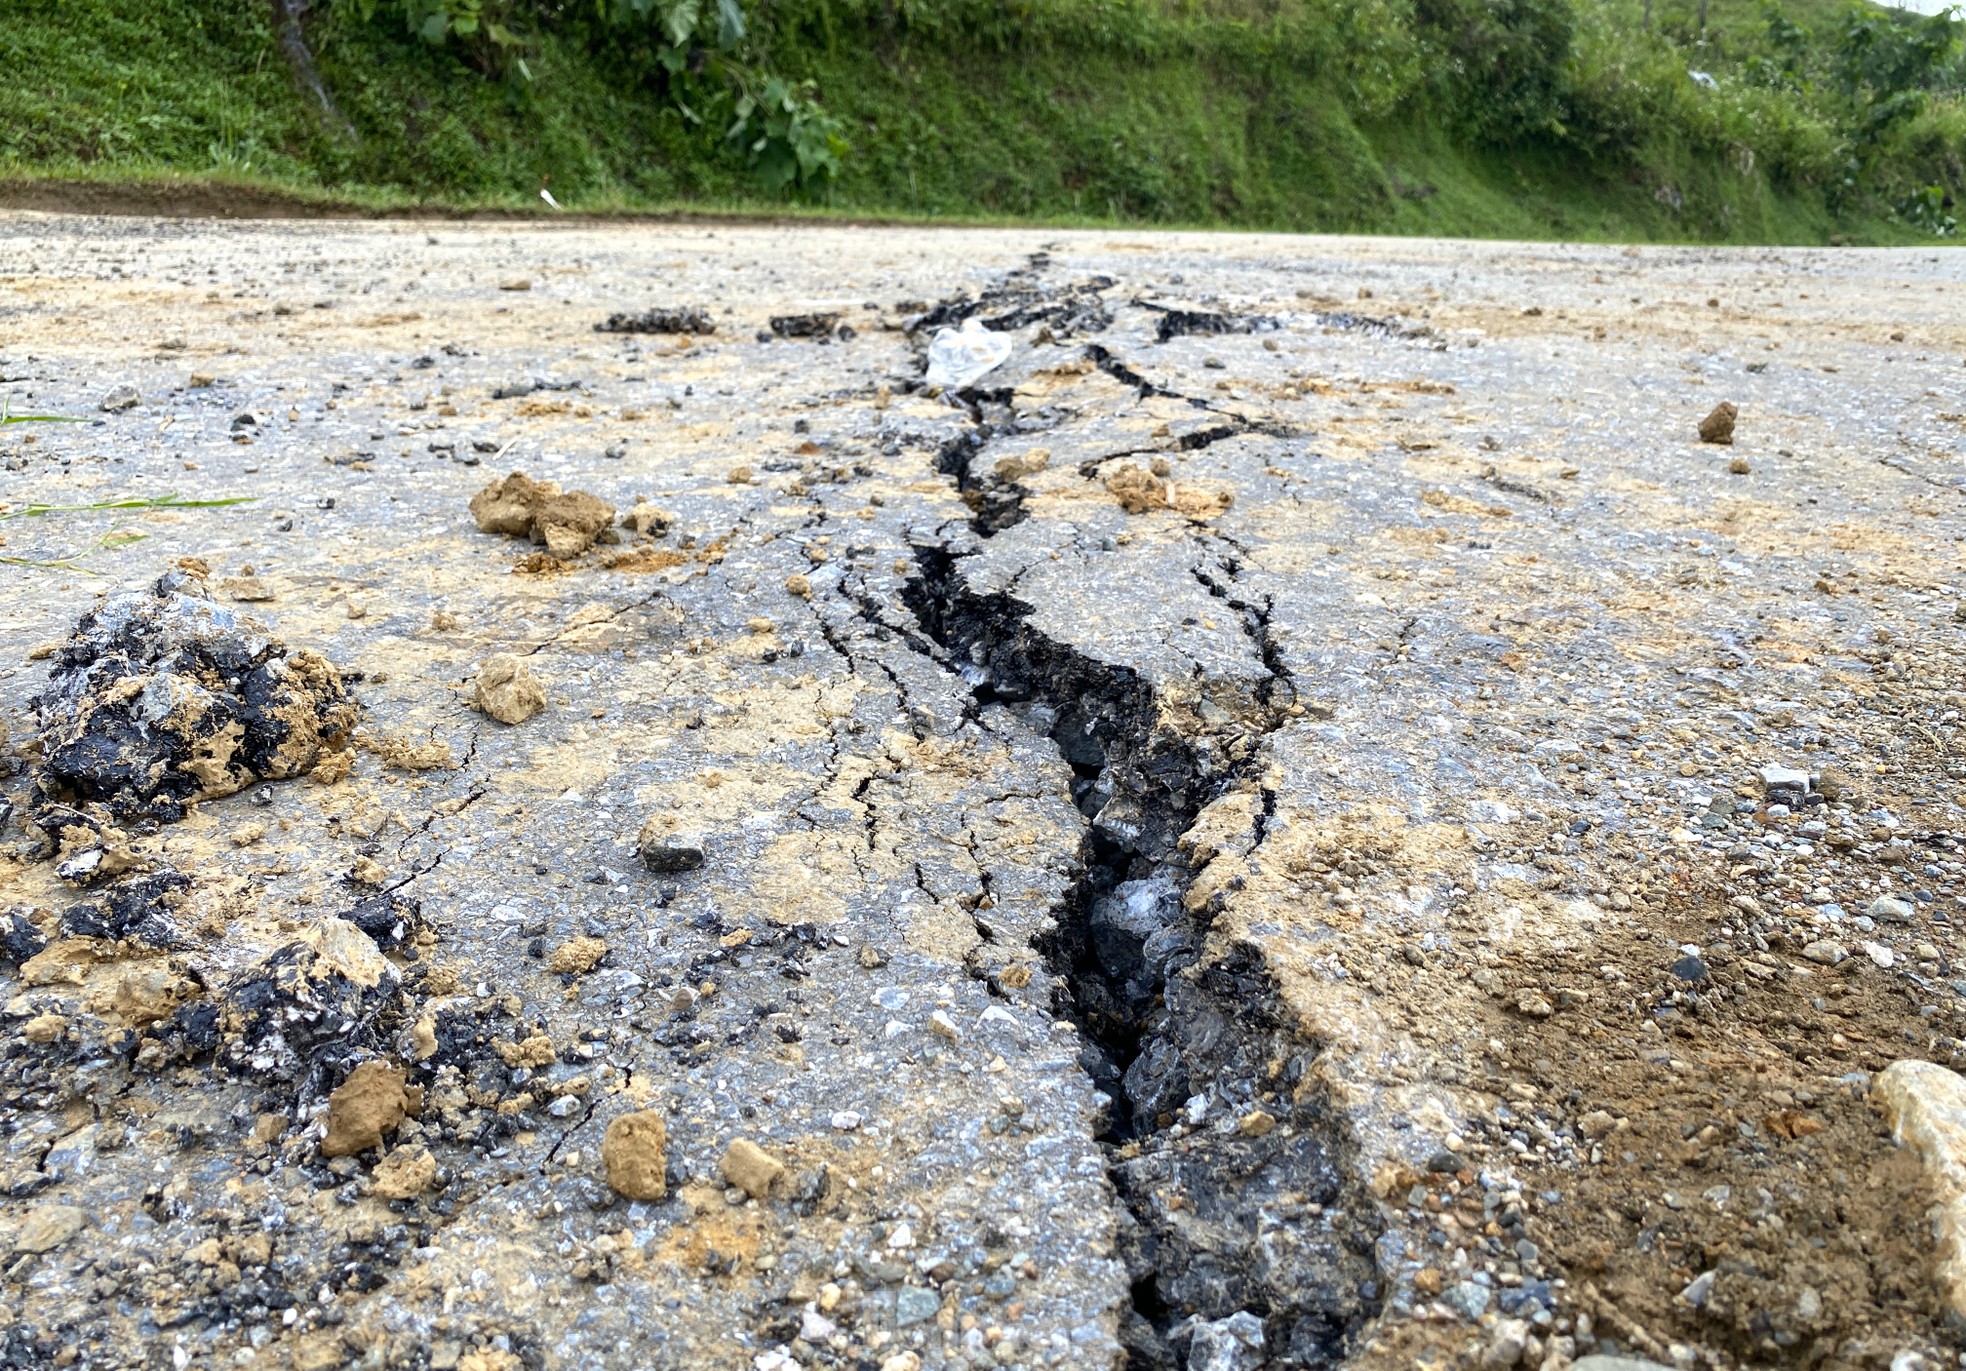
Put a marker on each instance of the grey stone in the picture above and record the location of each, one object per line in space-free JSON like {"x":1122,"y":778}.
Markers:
{"x":913,"y":1304}
{"x":1698,"y":1289}
{"x":1690,"y":968}
{"x":1231,"y":1344}
{"x":1891,"y":909}
{"x":668,"y":858}
{"x":1506,"y":1341}
{"x":1467,"y":1299}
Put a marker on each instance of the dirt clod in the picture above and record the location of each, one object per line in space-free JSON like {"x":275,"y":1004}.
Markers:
{"x":1718,"y":426}
{"x":48,"y":1227}
{"x":44,"y":1028}
{"x":567,"y":522}
{"x":750,"y":1168}
{"x":1138,"y":490}
{"x":363,"y":1108}
{"x":507,"y":690}
{"x":507,"y":506}
{"x":632,"y":1153}
{"x":535,"y":1051}
{"x":577,"y":956}
{"x":647,"y":520}
{"x":404,"y":1174}
{"x":401,"y":754}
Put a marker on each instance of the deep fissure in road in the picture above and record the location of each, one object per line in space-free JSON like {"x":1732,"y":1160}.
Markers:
{"x":1225,"y":1157}
{"x":1236,"y":1206}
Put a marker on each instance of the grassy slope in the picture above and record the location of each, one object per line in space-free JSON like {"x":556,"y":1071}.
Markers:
{"x":115,"y":88}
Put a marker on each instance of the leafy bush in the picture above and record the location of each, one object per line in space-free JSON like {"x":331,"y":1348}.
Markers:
{"x":701,"y":52}
{"x":1382,"y":57}
{"x":1925,"y":208}
{"x":1501,"y":63}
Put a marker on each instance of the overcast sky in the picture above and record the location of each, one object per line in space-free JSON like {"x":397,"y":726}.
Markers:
{"x":1923,"y":6}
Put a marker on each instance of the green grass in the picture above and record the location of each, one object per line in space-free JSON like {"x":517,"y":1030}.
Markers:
{"x":1260,"y":114}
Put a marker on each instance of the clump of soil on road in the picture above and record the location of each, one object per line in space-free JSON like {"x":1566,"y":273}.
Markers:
{"x":1718,"y":426}
{"x":567,"y":522}
{"x":1138,"y":490}
{"x":163,"y":696}
{"x":507,"y":690}
{"x":633,"y":1154}
{"x":363,"y":1108}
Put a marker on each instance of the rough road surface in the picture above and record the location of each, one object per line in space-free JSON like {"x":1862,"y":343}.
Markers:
{"x":1306,"y":818}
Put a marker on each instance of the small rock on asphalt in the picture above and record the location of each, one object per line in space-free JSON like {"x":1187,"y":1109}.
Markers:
{"x":661,"y":851}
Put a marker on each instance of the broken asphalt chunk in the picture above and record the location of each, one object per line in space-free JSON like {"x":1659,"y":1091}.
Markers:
{"x":681,"y":319}
{"x":162,"y":696}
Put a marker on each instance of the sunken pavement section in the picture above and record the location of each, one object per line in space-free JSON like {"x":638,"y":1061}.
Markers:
{"x":1236,"y":837}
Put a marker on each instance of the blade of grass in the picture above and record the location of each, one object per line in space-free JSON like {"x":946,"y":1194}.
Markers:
{"x":36,"y":510}
{"x":7,"y":416}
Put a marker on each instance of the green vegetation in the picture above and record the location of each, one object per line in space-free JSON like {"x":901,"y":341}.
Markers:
{"x":38,"y":510}
{"x":1718,"y":120}
{"x":7,"y":416}
{"x":77,"y":560}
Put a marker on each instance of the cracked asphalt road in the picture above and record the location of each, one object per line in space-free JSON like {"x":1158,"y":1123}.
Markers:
{"x":1205,"y":830}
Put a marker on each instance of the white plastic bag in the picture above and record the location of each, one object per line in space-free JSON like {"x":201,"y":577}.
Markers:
{"x":958,"y":358}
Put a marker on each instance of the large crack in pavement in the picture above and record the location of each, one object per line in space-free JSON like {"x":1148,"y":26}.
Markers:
{"x":1180,"y":1045}
{"x":1204,"y":1078}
